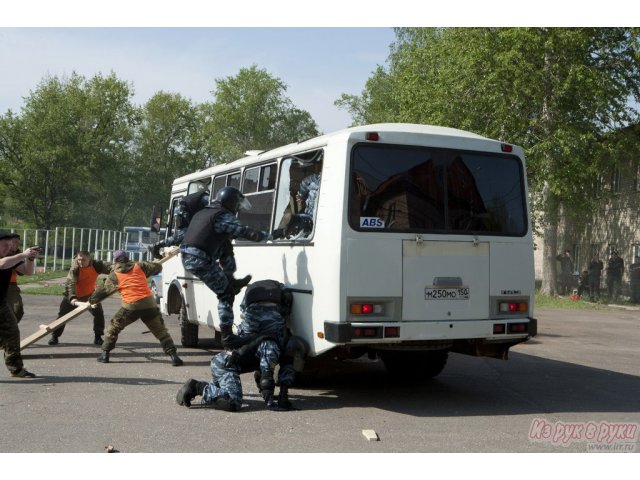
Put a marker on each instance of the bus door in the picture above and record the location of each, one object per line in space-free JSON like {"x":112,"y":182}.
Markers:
{"x":445,"y":280}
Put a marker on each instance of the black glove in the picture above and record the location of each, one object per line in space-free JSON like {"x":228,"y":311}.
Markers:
{"x":278,"y":233}
{"x":155,"y":249}
{"x":256,"y":235}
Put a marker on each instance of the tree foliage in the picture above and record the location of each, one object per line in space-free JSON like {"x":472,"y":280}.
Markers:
{"x":81,"y":154}
{"x":168,"y":145}
{"x":251,"y":112}
{"x":62,"y":158}
{"x":558,"y":92}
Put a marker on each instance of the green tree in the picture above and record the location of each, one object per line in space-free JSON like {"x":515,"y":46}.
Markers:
{"x":251,"y":112}
{"x":558,"y":92}
{"x":168,"y":144}
{"x":65,"y":157}
{"x":39,"y":150}
{"x":109,"y":192}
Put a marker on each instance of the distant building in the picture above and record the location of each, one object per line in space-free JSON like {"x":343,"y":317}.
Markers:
{"x":615,"y":221}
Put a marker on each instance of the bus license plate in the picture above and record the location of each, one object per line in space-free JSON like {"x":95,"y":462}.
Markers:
{"x":457,"y":293}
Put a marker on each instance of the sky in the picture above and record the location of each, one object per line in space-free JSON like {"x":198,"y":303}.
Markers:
{"x":316,"y":64}
{"x":319,"y":50}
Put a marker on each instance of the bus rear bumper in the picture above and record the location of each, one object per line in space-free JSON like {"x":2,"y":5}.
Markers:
{"x":503,"y":330}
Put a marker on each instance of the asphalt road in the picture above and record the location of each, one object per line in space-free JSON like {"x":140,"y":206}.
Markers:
{"x":583,"y":367}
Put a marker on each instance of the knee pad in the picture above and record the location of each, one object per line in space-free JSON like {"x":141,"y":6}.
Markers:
{"x":267,"y":382}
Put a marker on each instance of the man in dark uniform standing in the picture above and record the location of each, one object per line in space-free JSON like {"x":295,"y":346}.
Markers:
{"x":595,"y":271}
{"x":9,"y":332}
{"x":615,"y":269}
{"x":208,"y":254}
{"x":634,"y":278}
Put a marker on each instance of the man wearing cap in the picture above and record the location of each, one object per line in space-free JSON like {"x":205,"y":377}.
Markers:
{"x":9,"y":332}
{"x":80,"y":284}
{"x":130,"y":280}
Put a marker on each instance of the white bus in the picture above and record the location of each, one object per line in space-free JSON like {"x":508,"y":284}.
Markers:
{"x":417,"y":242}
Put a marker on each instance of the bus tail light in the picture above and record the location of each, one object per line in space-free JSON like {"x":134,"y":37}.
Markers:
{"x":498,"y":328}
{"x":391,"y":332}
{"x":505,"y":147}
{"x":365,"y":332}
{"x":513,"y":307}
{"x":372,"y":136}
{"x":518,"y":327}
{"x":366,"y":309}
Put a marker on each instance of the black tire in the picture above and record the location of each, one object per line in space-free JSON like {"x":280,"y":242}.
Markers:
{"x":188,"y":331}
{"x":415,"y":365}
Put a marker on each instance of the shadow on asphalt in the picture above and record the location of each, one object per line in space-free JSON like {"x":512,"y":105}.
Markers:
{"x":468,"y":386}
{"x":523,"y":385}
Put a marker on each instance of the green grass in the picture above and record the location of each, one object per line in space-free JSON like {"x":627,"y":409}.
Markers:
{"x":41,"y":277}
{"x":565,"y":303}
{"x":57,"y":290}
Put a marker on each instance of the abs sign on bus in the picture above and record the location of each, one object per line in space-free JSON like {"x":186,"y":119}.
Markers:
{"x":371,"y":222}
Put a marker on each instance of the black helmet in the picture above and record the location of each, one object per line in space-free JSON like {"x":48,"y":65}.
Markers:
{"x":232,"y":199}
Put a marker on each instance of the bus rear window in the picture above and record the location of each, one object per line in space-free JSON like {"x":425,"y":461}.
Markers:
{"x":417,"y":189}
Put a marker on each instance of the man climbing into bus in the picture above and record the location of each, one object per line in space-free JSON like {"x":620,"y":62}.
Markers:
{"x":265,"y":344}
{"x":207,"y":251}
{"x":187,"y":207}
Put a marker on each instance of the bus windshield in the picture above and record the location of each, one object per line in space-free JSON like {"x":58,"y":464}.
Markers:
{"x":418,"y":189}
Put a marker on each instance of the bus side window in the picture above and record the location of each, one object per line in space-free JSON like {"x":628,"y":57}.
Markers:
{"x":225,"y":180}
{"x":219,"y":183}
{"x":171,"y":221}
{"x":298,"y":196}
{"x":258,"y":186}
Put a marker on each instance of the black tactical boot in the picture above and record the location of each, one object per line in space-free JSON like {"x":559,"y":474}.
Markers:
{"x":224,"y":402}
{"x":238,"y":284}
{"x":190,"y":390}
{"x":229,"y":339}
{"x":267,"y":387}
{"x":23,"y":373}
{"x":104,"y":357}
{"x":283,"y":399}
{"x":97,"y":340}
{"x":53,"y":340}
{"x":176,"y":361}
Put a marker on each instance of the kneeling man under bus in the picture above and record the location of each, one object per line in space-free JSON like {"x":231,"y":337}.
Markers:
{"x":262,"y":343}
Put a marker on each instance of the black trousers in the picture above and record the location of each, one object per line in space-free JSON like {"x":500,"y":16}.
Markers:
{"x":98,"y":317}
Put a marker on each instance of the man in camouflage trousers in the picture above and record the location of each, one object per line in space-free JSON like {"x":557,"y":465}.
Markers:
{"x":207,"y":252}
{"x":130,"y":280}
{"x":24,"y":263}
{"x":14,"y":299}
{"x":263,"y":334}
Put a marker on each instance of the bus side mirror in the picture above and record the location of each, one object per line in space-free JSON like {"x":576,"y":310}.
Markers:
{"x":156,"y":219}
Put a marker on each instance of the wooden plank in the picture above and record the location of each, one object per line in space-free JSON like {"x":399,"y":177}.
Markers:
{"x":82,"y":307}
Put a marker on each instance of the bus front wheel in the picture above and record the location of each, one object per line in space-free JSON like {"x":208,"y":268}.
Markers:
{"x":188,"y":331}
{"x":415,"y":365}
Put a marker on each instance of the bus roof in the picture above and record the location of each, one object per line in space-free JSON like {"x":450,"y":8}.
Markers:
{"x":315,"y":142}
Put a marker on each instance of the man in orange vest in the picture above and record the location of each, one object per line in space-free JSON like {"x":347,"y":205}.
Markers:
{"x":80,"y":284}
{"x":138,"y":302}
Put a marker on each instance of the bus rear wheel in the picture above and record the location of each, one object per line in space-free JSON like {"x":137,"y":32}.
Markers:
{"x":188,"y":331}
{"x":415,"y":365}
